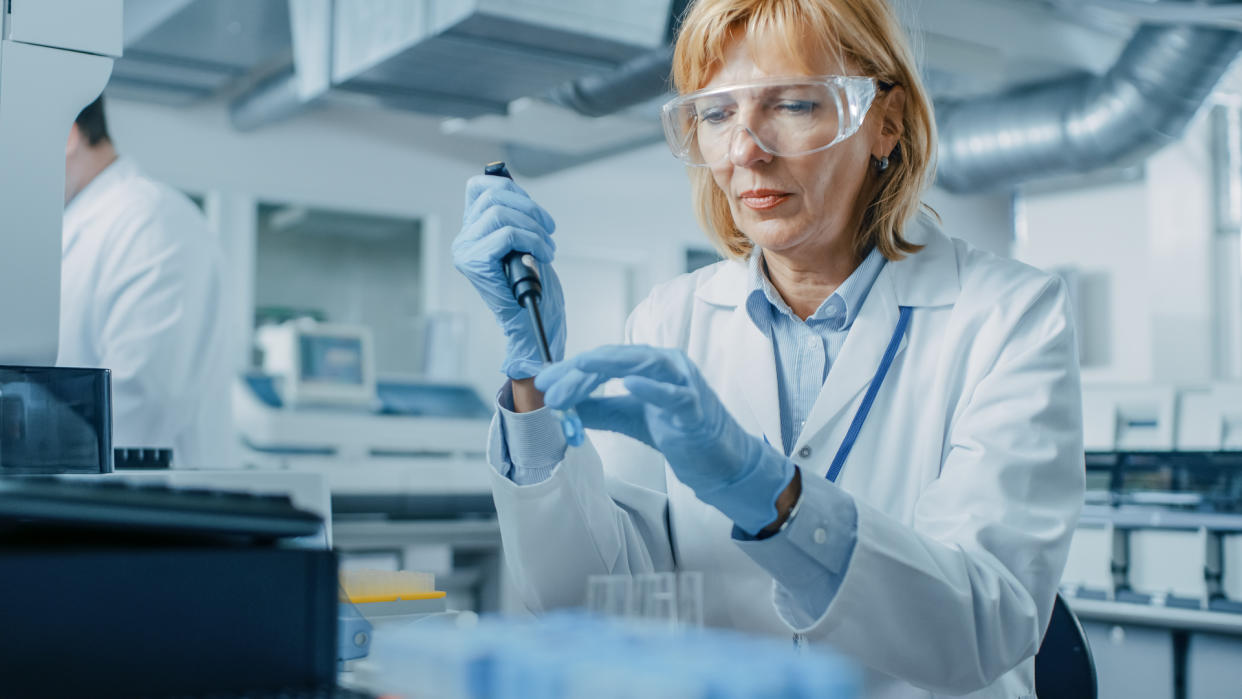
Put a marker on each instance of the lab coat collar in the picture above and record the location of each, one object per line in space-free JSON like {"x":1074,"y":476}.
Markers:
{"x":924,"y":279}
{"x":929,"y":277}
{"x":84,"y":206}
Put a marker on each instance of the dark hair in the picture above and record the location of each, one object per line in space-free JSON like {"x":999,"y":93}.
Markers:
{"x":92,"y":123}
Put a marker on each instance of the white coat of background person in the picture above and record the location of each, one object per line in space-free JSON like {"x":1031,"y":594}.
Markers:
{"x":933,"y":556}
{"x":143,"y":294}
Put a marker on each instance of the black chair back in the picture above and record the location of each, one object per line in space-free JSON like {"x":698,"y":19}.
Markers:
{"x":1064,"y":668}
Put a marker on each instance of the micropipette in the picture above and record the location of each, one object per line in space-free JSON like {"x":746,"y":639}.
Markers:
{"x":523,"y":274}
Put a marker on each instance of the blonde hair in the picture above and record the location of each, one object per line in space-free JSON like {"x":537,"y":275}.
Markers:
{"x":865,"y":35}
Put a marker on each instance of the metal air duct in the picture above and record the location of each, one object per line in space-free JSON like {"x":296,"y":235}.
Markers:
{"x":640,"y":79}
{"x":1080,"y":124}
{"x":631,"y":83}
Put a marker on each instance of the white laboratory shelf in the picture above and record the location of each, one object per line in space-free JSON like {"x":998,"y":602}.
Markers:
{"x":1137,"y":517}
{"x":458,"y":533}
{"x":1152,"y":615}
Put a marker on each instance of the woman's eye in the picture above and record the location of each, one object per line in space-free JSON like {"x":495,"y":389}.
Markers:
{"x":796,"y":107}
{"x":713,"y":115}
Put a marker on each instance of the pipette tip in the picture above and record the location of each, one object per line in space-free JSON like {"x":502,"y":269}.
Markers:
{"x":571,"y":427}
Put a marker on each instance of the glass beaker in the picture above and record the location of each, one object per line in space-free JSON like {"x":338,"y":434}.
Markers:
{"x":672,"y":599}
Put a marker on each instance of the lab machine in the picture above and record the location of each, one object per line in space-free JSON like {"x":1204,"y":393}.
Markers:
{"x":317,"y":363}
{"x":385,"y":445}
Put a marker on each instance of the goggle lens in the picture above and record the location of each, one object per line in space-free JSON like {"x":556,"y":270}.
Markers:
{"x":785,"y":118}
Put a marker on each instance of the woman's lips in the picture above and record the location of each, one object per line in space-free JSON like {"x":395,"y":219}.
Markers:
{"x":760,"y":199}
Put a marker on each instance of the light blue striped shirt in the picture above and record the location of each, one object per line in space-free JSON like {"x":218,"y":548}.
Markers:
{"x":806,"y":350}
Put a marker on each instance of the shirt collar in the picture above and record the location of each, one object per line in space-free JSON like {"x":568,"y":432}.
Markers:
{"x":118,"y":169}
{"x":838,"y":311}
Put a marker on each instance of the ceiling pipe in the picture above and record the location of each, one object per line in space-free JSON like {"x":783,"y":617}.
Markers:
{"x":1223,"y":15}
{"x":632,"y":83}
{"x":1076,"y":125}
{"x":627,"y":85}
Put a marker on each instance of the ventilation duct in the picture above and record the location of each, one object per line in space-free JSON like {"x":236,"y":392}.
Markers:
{"x":630,"y":84}
{"x":1080,"y":124}
{"x":633,"y":83}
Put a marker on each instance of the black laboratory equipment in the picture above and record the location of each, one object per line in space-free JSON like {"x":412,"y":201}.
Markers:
{"x":115,"y":589}
{"x":55,"y":420}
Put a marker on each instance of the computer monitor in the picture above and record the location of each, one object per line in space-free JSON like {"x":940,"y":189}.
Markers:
{"x":320,"y":363}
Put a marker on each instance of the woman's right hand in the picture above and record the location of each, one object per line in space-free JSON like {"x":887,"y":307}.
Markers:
{"x":499,"y":218}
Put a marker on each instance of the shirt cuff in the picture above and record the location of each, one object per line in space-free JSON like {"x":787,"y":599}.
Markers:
{"x":809,"y":556}
{"x":533,"y":441}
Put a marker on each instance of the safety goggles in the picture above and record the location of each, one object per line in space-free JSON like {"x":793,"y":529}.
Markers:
{"x":784,"y":116}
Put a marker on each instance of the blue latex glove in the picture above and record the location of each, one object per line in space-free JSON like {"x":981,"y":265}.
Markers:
{"x":501,"y":217}
{"x":671,"y":407}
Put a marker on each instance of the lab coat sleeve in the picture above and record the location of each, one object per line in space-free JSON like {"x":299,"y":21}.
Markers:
{"x":532,"y":443}
{"x":962,"y":595}
{"x":603,"y":510}
{"x":162,"y":285}
{"x":804,"y":558}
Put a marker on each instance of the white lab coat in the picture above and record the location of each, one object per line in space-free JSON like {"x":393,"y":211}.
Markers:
{"x":968,"y":475}
{"x":143,"y":294}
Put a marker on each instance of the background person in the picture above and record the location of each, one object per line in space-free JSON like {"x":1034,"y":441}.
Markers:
{"x":143,"y":294}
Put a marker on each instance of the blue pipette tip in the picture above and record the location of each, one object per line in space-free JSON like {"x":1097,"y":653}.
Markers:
{"x":571,"y":427}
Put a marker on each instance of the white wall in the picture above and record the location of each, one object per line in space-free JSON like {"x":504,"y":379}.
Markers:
{"x":1147,"y":247}
{"x":1181,"y":217}
{"x":983,"y":220}
{"x":1101,"y":233}
{"x":624,"y":223}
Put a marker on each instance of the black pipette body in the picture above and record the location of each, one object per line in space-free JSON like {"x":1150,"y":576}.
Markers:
{"x":522,"y":272}
{"x":523,"y":275}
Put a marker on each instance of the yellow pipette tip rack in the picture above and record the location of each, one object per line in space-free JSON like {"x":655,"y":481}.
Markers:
{"x":365,"y":586}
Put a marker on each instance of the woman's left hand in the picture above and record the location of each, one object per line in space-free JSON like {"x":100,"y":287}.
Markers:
{"x":671,"y":408}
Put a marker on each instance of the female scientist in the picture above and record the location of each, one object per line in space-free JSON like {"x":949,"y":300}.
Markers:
{"x":865,"y":433}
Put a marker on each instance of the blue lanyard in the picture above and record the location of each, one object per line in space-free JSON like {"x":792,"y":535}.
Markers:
{"x":861,"y":416}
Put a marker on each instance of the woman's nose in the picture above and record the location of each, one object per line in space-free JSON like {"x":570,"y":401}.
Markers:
{"x":744,"y":148}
